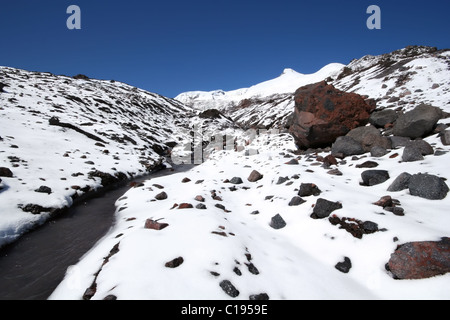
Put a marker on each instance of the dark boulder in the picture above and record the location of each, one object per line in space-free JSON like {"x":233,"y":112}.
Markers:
{"x":236,"y":180}
{"x":417,"y":123}
{"x":428,"y":186}
{"x":323,"y":208}
{"x":308,"y":189}
{"x":277,"y":222}
{"x":44,"y":189}
{"x":346,"y":146}
{"x":323,"y":113}
{"x":374,"y":177}
{"x":420,"y":260}
{"x":5,"y":172}
{"x":296,"y":201}
{"x":229,"y":288}
{"x":382,"y":118}
{"x":369,"y":137}
{"x":400,"y":183}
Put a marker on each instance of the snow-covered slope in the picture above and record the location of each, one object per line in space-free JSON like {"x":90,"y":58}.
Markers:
{"x":401,"y":79}
{"x":99,"y":128}
{"x":231,"y":241}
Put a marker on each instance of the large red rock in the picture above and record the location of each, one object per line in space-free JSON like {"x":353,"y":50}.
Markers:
{"x":419,"y":260}
{"x":324,"y":113}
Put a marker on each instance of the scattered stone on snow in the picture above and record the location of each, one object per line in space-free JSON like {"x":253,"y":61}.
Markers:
{"x":5,"y":172}
{"x":155,"y":225}
{"x":44,"y":189}
{"x":261,"y":296}
{"x":400,"y":183}
{"x":295,"y":201}
{"x":229,"y":288}
{"x":277,"y":222}
{"x":420,"y":260}
{"x":309,"y":189}
{"x":355,"y":227}
{"x":236,"y":180}
{"x":161,"y":196}
{"x":374,"y":177}
{"x":428,"y":186}
{"x":323,"y":208}
{"x":344,"y":266}
{"x":255,"y":176}
{"x":174,"y":263}
{"x":185,"y":206}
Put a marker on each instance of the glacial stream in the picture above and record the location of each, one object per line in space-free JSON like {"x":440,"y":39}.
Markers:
{"x":32,"y":267}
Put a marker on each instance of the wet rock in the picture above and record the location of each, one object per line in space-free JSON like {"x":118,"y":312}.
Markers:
{"x":323,"y":208}
{"x":374,"y":177}
{"x":344,"y":266}
{"x":420,"y":260}
{"x":400,"y":183}
{"x":323,"y":113}
{"x":417,"y":123}
{"x":308,"y":189}
{"x":174,"y":263}
{"x":296,"y":201}
{"x":428,"y":186}
{"x":255,"y":176}
{"x":35,"y":209}
{"x":277,"y":222}
{"x":5,"y":172}
{"x":229,"y":288}
{"x":44,"y":189}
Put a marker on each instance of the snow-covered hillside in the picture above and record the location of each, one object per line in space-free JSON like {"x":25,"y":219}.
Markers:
{"x":215,"y":237}
{"x":61,"y":137}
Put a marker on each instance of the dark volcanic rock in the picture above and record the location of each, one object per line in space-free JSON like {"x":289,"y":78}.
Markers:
{"x":323,"y":113}
{"x":323,"y":208}
{"x":295,"y":201}
{"x":428,"y":186}
{"x":229,"y":288}
{"x":419,"y":260}
{"x":411,"y":154}
{"x":44,"y":189}
{"x":417,"y":123}
{"x":381,"y":118}
{"x":174,"y":263}
{"x":277,"y":222}
{"x":400,"y":183}
{"x":374,"y":177}
{"x":344,"y":266}
{"x":261,"y":296}
{"x":236,"y":180}
{"x":308,"y":189}
{"x":161,"y":196}
{"x":5,"y":172}
{"x":369,"y":137}
{"x":346,"y":146}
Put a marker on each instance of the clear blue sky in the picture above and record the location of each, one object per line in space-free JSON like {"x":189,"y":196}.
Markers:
{"x":169,"y":47}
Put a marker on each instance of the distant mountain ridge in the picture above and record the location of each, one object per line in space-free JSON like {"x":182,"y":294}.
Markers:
{"x":386,"y":78}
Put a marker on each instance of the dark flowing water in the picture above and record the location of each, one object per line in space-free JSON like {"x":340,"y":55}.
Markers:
{"x":32,"y":267}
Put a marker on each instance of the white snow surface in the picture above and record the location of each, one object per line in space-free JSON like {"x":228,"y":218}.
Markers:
{"x":295,"y":262}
